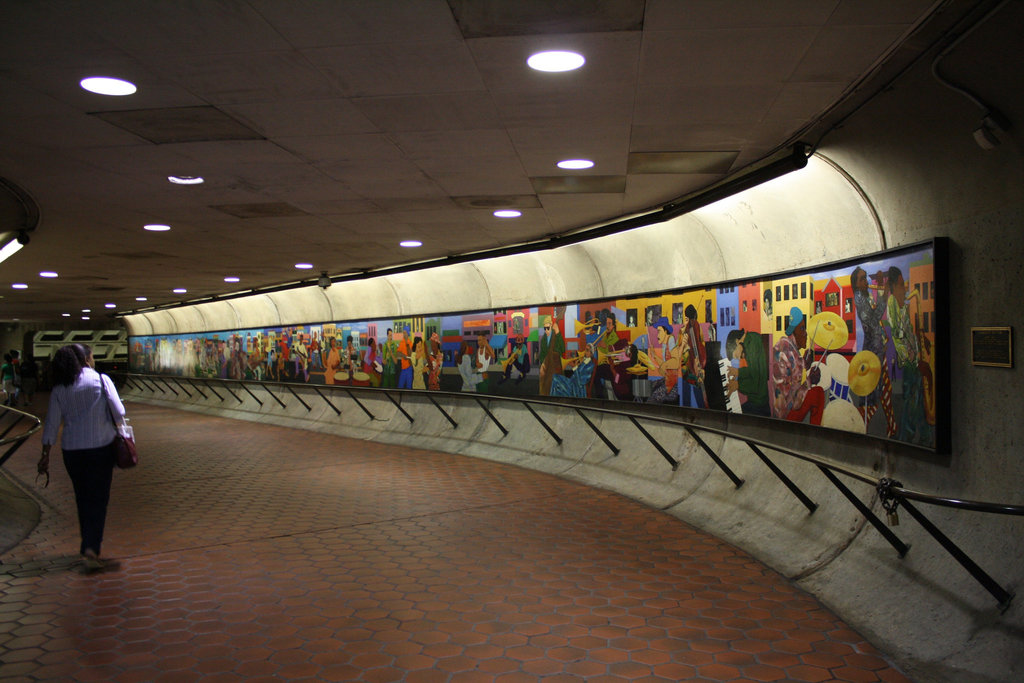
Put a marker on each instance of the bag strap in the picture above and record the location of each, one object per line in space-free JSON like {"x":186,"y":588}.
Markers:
{"x":106,"y":400}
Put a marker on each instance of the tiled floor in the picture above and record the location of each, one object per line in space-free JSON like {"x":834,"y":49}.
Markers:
{"x":249,"y":552}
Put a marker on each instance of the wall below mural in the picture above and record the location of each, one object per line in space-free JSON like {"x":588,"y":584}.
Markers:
{"x":849,"y":347}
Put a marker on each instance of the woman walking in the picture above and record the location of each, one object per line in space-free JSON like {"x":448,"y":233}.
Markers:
{"x":82,"y":400}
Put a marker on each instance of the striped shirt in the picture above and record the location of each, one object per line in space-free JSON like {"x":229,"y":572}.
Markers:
{"x":80,"y":406}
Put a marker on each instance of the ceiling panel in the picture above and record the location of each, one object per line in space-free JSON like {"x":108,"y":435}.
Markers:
{"x":382,"y":119}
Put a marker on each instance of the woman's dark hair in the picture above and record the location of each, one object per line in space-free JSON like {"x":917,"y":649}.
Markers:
{"x":68,"y":362}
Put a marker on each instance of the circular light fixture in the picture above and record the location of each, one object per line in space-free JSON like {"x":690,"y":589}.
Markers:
{"x":47,"y":273}
{"x":231,"y":278}
{"x":102,"y":85}
{"x":110,"y":305}
{"x":555,"y":61}
{"x":507,"y":213}
{"x":156,"y":227}
{"x":86,"y":310}
{"x":410,"y":243}
{"x":85,"y":317}
{"x":575,"y":164}
{"x":19,"y":285}
{"x":141,"y":298}
{"x":186,"y":179}
{"x":180,"y":290}
{"x":65,"y":315}
{"x":304,"y":266}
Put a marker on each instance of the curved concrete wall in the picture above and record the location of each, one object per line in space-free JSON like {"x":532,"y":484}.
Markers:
{"x":789,"y":223}
{"x":904,"y":168}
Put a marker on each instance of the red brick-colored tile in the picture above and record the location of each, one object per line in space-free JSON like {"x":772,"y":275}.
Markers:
{"x":353,"y":560}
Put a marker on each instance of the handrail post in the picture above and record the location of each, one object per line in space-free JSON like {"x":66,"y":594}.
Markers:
{"x":544,"y":424}
{"x":737,"y":482}
{"x":893,"y":539}
{"x":198,"y":390}
{"x":212,"y":390}
{"x":168,"y":385}
{"x":326,"y":400}
{"x":272,"y":395}
{"x":1001,"y":595}
{"x":360,"y":404}
{"x":305,"y":405}
{"x":504,"y":432}
{"x":400,"y":408}
{"x":665,"y":454}
{"x":15,"y":445}
{"x":808,"y":503}
{"x":449,"y":417}
{"x":227,"y":387}
{"x":609,"y":444}
{"x":17,"y":418}
{"x":181,"y":386}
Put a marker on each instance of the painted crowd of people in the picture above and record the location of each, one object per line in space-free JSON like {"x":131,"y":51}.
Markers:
{"x":778,"y":367}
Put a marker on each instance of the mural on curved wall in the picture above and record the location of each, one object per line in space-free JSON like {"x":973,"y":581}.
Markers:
{"x":849,"y":346}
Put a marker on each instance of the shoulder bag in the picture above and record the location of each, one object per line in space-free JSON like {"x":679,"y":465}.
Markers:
{"x":124,"y":442}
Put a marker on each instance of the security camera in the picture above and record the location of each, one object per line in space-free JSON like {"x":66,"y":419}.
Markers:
{"x":323,"y":282}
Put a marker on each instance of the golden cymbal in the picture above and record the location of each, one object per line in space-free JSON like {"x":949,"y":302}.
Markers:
{"x":828,"y":330}
{"x":865,"y":370}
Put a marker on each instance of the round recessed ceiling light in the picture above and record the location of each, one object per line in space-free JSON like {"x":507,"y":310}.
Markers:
{"x":180,"y":290}
{"x":85,"y":317}
{"x":19,"y":285}
{"x":86,"y":310}
{"x":304,"y":266}
{"x":186,"y":179}
{"x":47,"y":273}
{"x":141,"y":298}
{"x":231,"y":278}
{"x":157,"y":227}
{"x":507,"y":213}
{"x":110,"y":305}
{"x":410,"y":243}
{"x":555,"y":61}
{"x":575,"y":164}
{"x":65,"y":315}
{"x":102,"y":85}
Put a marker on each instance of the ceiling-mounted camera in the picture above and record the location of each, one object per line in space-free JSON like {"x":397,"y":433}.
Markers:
{"x":323,"y":282}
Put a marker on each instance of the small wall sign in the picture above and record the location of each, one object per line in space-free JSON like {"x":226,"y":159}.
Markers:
{"x":992,"y":346}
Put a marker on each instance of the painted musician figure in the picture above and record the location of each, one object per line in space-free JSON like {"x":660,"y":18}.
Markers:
{"x":519,"y":359}
{"x":613,"y":361}
{"x":575,"y":379}
{"x":913,"y":426}
{"x":693,"y":360}
{"x":870,"y":310}
{"x":552,"y":346}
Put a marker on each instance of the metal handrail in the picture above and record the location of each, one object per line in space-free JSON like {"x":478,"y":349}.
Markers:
{"x":891,"y":493}
{"x":15,"y":442}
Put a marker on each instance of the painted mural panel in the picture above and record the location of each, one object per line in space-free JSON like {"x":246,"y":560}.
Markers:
{"x":850,"y":346}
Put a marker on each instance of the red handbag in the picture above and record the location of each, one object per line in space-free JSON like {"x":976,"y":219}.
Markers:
{"x":126,"y":455}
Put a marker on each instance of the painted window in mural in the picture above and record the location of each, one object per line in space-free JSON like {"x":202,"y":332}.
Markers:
{"x":850,"y":347}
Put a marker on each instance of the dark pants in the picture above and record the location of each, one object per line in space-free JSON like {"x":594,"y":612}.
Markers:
{"x":91,"y":470}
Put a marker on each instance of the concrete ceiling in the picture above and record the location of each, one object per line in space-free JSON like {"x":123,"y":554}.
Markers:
{"x":329,"y":131}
